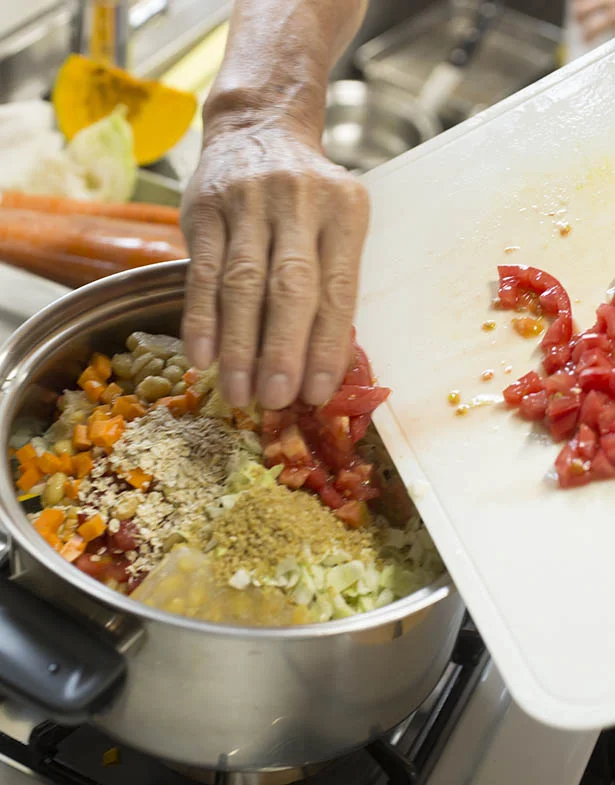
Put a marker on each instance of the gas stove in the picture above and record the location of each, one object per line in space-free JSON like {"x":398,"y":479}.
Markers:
{"x":468,"y":732}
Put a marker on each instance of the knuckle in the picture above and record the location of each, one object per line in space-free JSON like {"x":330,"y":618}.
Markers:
{"x":339,"y":294}
{"x":198,"y":319}
{"x":204,"y":275}
{"x":245,"y":275}
{"x":353,"y":194}
{"x":295,"y":280}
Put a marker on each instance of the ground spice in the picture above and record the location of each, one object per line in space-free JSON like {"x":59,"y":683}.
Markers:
{"x":268,"y":524}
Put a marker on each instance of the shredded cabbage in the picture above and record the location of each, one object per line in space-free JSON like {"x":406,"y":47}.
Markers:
{"x":98,"y":164}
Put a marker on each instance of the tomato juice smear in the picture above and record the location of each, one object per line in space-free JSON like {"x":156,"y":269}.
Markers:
{"x":575,"y":400}
{"x":317,"y":445}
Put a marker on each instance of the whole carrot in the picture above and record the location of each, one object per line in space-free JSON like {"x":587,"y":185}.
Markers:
{"x":130,"y":211}
{"x":63,"y":268}
{"x":126,"y":243}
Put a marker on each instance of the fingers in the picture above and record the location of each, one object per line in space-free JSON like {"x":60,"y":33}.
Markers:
{"x":241,"y":296}
{"x":341,"y":247}
{"x":292,"y":299}
{"x":206,"y":238}
{"x":583,"y":8}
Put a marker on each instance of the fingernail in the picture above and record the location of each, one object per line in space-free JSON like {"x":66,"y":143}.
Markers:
{"x":236,"y":386}
{"x":319,"y":388}
{"x":276,"y":392}
{"x":201,"y":352}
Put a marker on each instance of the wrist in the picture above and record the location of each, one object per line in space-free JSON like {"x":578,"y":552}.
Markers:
{"x":229,"y":109}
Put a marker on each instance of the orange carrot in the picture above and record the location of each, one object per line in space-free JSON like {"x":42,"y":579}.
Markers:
{"x":128,"y":407}
{"x":31,"y":477}
{"x":88,"y":375}
{"x":49,"y":521}
{"x":71,"y":489}
{"x":127,"y":243}
{"x":193,"y":399}
{"x":176,"y":404}
{"x":80,"y":438}
{"x":191,"y":376}
{"x":104,"y":433}
{"x":112,"y":392}
{"x":94,"y":391}
{"x":101,"y":365}
{"x":26,"y":453}
{"x":63,"y":268}
{"x":66,"y":463}
{"x":139,"y":479}
{"x":133,"y":211}
{"x":49,"y":463}
{"x":82,"y":464}
{"x":92,"y":528}
{"x":73,"y":549}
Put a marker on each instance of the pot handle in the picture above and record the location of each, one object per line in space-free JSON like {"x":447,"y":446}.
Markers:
{"x":57,"y":665}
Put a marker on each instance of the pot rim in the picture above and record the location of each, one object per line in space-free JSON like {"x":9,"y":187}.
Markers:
{"x":14,"y":520}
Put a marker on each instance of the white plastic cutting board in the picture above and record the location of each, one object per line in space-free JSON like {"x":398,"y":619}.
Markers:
{"x":535,"y":565}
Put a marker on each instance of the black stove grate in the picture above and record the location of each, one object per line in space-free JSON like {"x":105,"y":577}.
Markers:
{"x":76,"y":756}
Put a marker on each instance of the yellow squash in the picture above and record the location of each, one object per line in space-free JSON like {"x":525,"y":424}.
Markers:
{"x":86,"y":91}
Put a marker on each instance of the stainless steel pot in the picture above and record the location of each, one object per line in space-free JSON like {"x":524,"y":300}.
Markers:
{"x":187,"y":691}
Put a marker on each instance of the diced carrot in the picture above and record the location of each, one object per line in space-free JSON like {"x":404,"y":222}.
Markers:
{"x":104,"y":433}
{"x":243,"y":421}
{"x":176,"y":404}
{"x":66,"y":463}
{"x":49,"y":463}
{"x":191,"y":376}
{"x":80,"y":438}
{"x":112,"y":391}
{"x":100,"y":413}
{"x":139,"y":479}
{"x":49,"y":521}
{"x":30,"y":477}
{"x":89,"y":375}
{"x":193,"y":399}
{"x":94,"y":391}
{"x":92,"y":528}
{"x":128,"y":407}
{"x":101,"y":365}
{"x":26,"y":453}
{"x":71,"y":488}
{"x":72,"y":549}
{"x":82,"y":464}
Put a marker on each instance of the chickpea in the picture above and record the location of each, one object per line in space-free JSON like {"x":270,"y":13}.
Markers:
{"x":153,"y":367}
{"x":122,"y":365}
{"x":153,"y":387}
{"x":179,"y":388}
{"x":173,"y":373}
{"x":53,"y":492}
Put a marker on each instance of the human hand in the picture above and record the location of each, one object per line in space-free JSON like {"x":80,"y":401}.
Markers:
{"x":275,"y":233}
{"x":595,"y":17}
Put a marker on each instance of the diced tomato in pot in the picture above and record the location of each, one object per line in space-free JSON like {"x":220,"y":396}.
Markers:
{"x":316,"y":479}
{"x":91,"y":565}
{"x":294,"y":448}
{"x":117,"y":570}
{"x":352,"y":400}
{"x":534,"y":405}
{"x":273,"y":454}
{"x":354,"y":514}
{"x":294,"y":477}
{"x":124,"y":539}
{"x":359,"y":426}
{"x":330,"y":497}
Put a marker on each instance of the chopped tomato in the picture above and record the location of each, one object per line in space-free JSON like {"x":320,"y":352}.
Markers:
{"x":572,"y":471}
{"x":125,"y":539}
{"x":597,"y":378}
{"x":563,"y":403}
{"x":294,"y":448}
{"x":591,"y":408}
{"x":587,"y":442}
{"x":294,"y":477}
{"x":563,"y":427}
{"x":606,"y":319}
{"x":530,"y":383}
{"x":316,"y":479}
{"x":354,"y":514}
{"x":534,"y":405}
{"x":331,"y":497}
{"x":607,"y":443}
{"x":602,"y":468}
{"x":359,"y":426}
{"x":92,"y":565}
{"x":589,"y":340}
{"x":353,"y":400}
{"x":559,"y":382}
{"x":556,"y":358}
{"x":117,"y":570}
{"x":606,"y":418}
